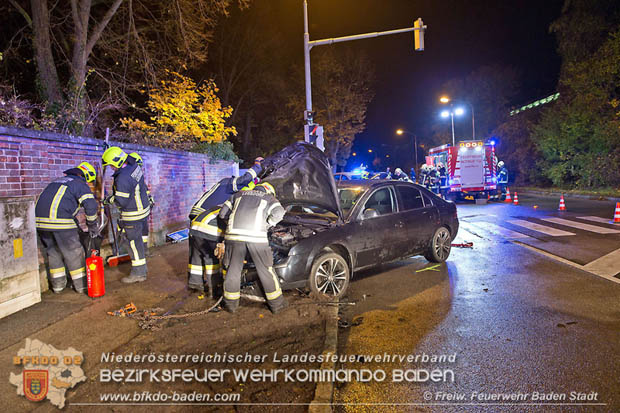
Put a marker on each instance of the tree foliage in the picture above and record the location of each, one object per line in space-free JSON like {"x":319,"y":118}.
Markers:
{"x":182,"y":114}
{"x":92,"y":56}
{"x":579,"y":137}
{"x":341,"y":91}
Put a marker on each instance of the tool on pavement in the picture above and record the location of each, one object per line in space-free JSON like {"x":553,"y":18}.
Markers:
{"x":125,"y":311}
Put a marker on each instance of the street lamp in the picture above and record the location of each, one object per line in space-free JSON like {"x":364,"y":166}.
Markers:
{"x":451,"y":113}
{"x":415,"y":145}
{"x":446,"y":99}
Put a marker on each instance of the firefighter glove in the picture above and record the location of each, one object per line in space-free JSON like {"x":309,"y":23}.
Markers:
{"x":219,"y":250}
{"x":109,"y":200}
{"x":93,"y":231}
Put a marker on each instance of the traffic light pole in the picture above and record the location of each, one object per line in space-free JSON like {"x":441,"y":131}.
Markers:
{"x":419,"y":27}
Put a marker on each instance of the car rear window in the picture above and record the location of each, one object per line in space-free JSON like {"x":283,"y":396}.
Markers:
{"x":411,"y":197}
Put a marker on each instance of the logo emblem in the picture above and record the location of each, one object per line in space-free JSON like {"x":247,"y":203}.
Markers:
{"x":35,"y":384}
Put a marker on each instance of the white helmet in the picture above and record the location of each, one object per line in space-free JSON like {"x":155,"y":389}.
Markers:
{"x":398,"y":171}
{"x":500,"y":164}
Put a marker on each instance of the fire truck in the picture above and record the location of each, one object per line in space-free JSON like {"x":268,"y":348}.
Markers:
{"x":471,"y":169}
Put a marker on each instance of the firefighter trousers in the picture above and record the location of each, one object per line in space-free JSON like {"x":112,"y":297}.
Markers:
{"x":134,"y":230}
{"x":262,"y":256}
{"x":64,"y":252}
{"x":203,"y":264}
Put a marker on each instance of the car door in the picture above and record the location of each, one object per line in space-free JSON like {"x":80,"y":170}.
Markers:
{"x":419,"y":218}
{"x":372,"y":237}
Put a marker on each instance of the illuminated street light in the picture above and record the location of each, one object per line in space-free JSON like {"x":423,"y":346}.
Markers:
{"x":451,"y":113}
{"x":415,"y":145}
{"x":458,"y":111}
{"x":369,"y":150}
{"x":354,"y":153}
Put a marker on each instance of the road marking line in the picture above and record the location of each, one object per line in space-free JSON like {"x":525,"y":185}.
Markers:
{"x":579,"y":225}
{"x":606,"y":266}
{"x":540,"y":228}
{"x":495,"y":229}
{"x":592,"y":270}
{"x":596,"y":219}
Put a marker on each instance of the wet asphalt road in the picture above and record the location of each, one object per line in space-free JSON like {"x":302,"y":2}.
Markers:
{"x":520,"y":312}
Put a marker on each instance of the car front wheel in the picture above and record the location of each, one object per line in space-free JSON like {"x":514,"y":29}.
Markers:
{"x":329,"y":276}
{"x":441,"y":243}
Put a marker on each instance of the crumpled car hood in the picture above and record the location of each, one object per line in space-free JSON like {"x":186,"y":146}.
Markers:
{"x":301,"y":174}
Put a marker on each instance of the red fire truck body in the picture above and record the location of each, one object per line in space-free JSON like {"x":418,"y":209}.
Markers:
{"x":470,"y":168}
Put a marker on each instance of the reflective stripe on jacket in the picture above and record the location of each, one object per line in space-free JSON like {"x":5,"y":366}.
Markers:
{"x":61,"y":200}
{"x":208,"y":225}
{"x":222,"y":191}
{"x":249,"y":215}
{"x":130,"y":193}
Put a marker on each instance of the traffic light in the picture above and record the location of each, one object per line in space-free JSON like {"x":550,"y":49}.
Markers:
{"x":418,"y":34}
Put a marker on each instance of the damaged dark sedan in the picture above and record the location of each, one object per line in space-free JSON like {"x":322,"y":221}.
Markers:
{"x":330,"y":231}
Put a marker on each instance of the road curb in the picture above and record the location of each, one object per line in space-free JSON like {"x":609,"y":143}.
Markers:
{"x":570,"y":195}
{"x":324,"y":392}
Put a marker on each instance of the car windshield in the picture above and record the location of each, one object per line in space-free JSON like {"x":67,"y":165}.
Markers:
{"x":349,"y":197}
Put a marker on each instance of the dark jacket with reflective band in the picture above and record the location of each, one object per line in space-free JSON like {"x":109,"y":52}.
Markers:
{"x":60,"y":201}
{"x":208,"y":225}
{"x":220,"y":192}
{"x":250,"y":214}
{"x":502,"y":177}
{"x":130,"y":193}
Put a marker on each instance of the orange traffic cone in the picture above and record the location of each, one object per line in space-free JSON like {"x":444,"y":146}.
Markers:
{"x":616,"y":219}
{"x":508,"y":198}
{"x":516,"y":200}
{"x":562,"y":206}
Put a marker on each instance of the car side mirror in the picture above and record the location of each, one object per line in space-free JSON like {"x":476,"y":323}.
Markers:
{"x":369,"y":213}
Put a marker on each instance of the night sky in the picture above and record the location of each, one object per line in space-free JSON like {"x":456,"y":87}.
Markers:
{"x":461,"y":36}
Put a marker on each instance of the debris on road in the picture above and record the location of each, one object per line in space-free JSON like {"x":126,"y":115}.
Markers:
{"x":464,"y":245}
{"x":431,"y":268}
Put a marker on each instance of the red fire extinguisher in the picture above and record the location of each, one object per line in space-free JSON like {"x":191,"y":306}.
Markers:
{"x":94,"y":275}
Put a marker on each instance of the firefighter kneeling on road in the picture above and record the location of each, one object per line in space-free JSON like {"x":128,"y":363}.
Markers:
{"x":58,"y":229}
{"x":130,"y":195}
{"x":250,"y":213}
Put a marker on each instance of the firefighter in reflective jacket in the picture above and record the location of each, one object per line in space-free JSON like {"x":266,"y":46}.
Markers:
{"x":224,"y":189}
{"x":58,"y":230}
{"x":250,"y":213}
{"x":205,"y":231}
{"x":502,"y":176}
{"x":131,"y":197}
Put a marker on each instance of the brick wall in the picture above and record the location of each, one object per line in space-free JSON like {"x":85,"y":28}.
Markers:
{"x":29,"y":160}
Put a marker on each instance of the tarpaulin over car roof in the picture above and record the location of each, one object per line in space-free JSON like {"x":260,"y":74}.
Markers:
{"x":301,"y":174}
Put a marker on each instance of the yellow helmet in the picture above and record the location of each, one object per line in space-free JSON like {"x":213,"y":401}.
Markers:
{"x":268,"y":188}
{"x":114,"y":156}
{"x":89,"y":171}
{"x":137,"y":157}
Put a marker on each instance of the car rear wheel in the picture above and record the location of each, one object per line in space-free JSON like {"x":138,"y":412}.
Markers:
{"x":441,"y":243}
{"x":329,"y":276}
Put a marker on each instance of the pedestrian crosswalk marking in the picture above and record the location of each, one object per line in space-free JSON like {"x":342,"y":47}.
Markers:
{"x":580,"y":225}
{"x":596,"y":219}
{"x":606,"y":266}
{"x":498,"y":230}
{"x":540,"y":228}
